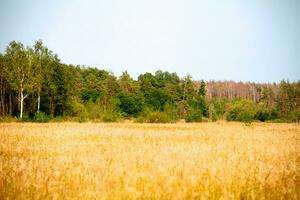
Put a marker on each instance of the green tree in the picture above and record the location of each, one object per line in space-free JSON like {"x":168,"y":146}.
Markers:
{"x":286,"y":99}
{"x":20,"y":71}
{"x":194,"y":114}
{"x":127,"y":84}
{"x":5,"y":107}
{"x":200,"y":101}
{"x":219,"y":106}
{"x":262,"y":113}
{"x":188,"y":88}
{"x":241,"y":110}
{"x":130,"y":105}
{"x":152,"y":91}
{"x":202,"y":89}
{"x":41,"y":57}
{"x":295,"y":115}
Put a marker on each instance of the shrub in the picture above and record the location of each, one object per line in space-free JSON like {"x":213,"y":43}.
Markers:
{"x":172,"y":111}
{"x":194,"y":113}
{"x":212,"y":113}
{"x":295,"y":115}
{"x":7,"y":118}
{"x":159,"y":117}
{"x":220,"y":107}
{"x":241,"y":110}
{"x":155,"y":117}
{"x":130,"y":105}
{"x":273,"y":114}
{"x":194,"y":116}
{"x":41,"y":117}
{"x":205,"y":119}
{"x":79,"y":111}
{"x":214,"y":118}
{"x":110,"y":117}
{"x":25,"y":118}
{"x":247,"y":117}
{"x":279,"y":121}
{"x":264,"y":113}
{"x":93,"y":110}
{"x":57,"y":119}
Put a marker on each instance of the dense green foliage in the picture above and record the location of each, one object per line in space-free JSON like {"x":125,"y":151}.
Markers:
{"x":37,"y":86}
{"x":241,"y":111}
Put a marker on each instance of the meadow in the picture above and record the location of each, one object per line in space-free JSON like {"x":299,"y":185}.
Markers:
{"x":221,"y":160}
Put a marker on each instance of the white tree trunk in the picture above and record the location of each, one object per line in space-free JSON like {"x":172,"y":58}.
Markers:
{"x":39,"y":102}
{"x":21,"y":103}
{"x":22,"y":98}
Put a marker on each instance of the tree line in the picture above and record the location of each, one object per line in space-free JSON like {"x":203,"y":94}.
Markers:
{"x":37,"y":86}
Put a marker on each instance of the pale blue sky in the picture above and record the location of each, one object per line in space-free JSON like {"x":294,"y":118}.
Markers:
{"x":249,"y":40}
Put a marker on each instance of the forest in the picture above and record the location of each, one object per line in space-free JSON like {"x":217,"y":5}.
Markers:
{"x":37,"y":86}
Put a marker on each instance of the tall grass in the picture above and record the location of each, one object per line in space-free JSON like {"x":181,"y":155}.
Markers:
{"x":149,"y":161}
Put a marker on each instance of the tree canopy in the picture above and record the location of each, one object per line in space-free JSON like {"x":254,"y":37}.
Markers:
{"x":36,"y":85}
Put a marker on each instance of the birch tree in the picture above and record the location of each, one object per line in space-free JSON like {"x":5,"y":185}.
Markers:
{"x":20,"y":71}
{"x":41,"y":59}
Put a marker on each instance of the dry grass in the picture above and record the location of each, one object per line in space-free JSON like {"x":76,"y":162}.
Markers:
{"x":149,"y":161}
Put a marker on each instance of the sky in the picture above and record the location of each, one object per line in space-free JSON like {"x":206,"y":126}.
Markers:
{"x":241,"y":40}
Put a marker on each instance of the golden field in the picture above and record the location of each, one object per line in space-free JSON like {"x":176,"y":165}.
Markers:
{"x":149,"y":161}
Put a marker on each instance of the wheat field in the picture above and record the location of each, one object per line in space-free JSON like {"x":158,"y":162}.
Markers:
{"x":149,"y":161}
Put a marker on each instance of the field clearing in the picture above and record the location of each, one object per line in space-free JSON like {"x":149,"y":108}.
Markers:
{"x":149,"y":161}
